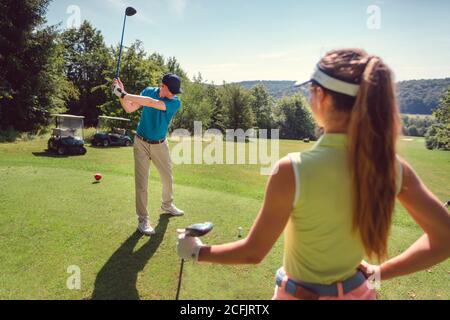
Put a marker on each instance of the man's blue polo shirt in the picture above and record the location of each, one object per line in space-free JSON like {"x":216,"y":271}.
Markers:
{"x":154,"y":124}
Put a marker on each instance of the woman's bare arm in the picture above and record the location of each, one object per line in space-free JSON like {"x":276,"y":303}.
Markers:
{"x":269,"y":225}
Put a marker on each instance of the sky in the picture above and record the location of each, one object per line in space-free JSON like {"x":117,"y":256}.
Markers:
{"x":238,"y":40}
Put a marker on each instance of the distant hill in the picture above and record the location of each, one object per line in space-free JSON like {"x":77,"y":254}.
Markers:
{"x":421,"y":96}
{"x":277,"y":89}
{"x":414,"y":96}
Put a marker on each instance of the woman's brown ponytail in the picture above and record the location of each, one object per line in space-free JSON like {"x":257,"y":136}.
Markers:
{"x":373,"y":131}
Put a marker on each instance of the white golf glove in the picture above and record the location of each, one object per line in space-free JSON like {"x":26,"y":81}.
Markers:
{"x":189,"y":247}
{"x":118,"y":91}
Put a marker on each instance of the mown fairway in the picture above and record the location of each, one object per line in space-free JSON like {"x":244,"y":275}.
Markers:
{"x":52,"y":216}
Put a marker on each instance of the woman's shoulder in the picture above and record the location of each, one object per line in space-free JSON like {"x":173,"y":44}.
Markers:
{"x":295,"y":157}
{"x":305,"y":156}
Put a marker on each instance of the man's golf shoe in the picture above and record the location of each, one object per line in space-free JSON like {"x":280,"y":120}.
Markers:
{"x":146,"y":229}
{"x":173,"y":211}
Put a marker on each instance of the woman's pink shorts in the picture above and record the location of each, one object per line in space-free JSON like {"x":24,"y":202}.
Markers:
{"x":363,"y":292}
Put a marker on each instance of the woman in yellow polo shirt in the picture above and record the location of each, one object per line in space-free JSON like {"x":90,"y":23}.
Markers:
{"x":335,"y":202}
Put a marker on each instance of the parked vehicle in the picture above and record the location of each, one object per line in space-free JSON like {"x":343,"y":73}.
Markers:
{"x":111,"y":132}
{"x":68,"y":136}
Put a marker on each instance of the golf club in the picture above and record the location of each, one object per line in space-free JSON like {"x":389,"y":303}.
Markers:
{"x":447,"y":204}
{"x":194,"y":231}
{"x":129,"y":12}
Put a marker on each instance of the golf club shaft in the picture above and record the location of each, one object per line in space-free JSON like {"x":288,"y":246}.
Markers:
{"x":180,"y":278}
{"x":121,"y":46}
{"x":197,"y":230}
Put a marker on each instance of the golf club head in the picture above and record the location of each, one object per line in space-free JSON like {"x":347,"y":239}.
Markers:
{"x":130,"y":11}
{"x":198,"y":230}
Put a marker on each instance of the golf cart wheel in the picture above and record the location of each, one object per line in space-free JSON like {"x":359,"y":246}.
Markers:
{"x":105,"y":143}
{"x":127,"y":143}
{"x":50,"y":146}
{"x":61,"y":151}
{"x":83,"y":151}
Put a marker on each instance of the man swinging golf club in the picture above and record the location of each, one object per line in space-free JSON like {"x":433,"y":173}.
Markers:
{"x":159,"y":107}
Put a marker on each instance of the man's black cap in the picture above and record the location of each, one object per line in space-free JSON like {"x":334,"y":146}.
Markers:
{"x":173,"y":82}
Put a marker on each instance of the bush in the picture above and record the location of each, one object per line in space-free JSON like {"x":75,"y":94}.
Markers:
{"x":9,"y":135}
{"x":438,"y":137}
{"x":412,"y":131}
{"x":12,"y":135}
{"x":89,"y":134}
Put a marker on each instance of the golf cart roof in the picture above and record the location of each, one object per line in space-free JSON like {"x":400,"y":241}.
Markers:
{"x":114,"y":118}
{"x":67,"y":116}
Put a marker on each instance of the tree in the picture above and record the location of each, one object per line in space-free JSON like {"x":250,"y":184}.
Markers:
{"x":87,"y":59}
{"x":262,"y":105}
{"x":294,"y":119}
{"x":412,"y":131}
{"x":438,"y":136}
{"x":237,"y":103}
{"x":174,"y":67}
{"x":31,"y":83}
{"x":442,"y":113}
{"x":195,"y":106}
{"x":218,"y":117}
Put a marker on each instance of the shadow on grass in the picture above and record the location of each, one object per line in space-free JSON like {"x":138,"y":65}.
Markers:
{"x":117,"y":279}
{"x":48,"y":154}
{"x":109,"y":147}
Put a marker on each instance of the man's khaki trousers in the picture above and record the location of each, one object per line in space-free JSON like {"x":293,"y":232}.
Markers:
{"x":144,"y":154}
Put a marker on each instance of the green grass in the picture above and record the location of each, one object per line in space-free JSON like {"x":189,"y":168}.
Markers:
{"x":52,"y":216}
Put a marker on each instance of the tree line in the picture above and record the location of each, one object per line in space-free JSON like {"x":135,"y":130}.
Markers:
{"x":46,"y":70}
{"x":417,"y":125}
{"x":415,"y":97}
{"x":421,"y":96}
